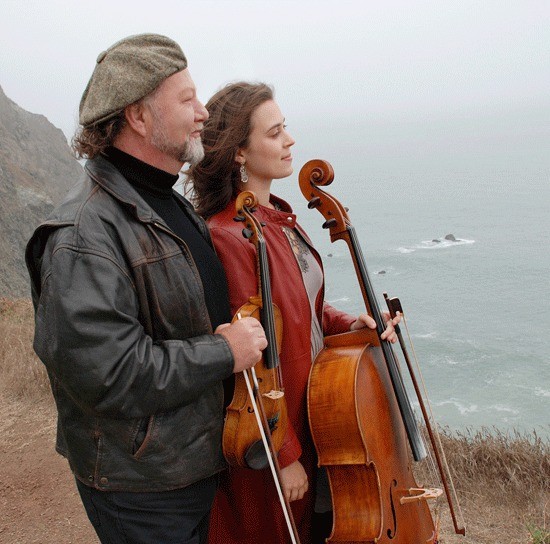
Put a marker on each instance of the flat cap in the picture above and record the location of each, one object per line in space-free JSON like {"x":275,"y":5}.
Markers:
{"x":126,"y":72}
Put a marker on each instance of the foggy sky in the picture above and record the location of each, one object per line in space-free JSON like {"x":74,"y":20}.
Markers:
{"x":332,"y":63}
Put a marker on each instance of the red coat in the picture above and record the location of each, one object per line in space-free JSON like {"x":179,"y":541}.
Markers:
{"x":247,"y":509}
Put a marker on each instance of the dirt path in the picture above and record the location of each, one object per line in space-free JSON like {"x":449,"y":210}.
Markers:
{"x":38,"y":498}
{"x":39,"y":502}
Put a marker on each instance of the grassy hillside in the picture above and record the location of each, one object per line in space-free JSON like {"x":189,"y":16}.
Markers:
{"x":502,"y":480}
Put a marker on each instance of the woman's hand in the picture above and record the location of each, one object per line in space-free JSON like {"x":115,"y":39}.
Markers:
{"x":294,"y":480}
{"x":365,"y":320}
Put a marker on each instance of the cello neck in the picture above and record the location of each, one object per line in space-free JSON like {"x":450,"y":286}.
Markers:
{"x":413,"y":433}
{"x":320,"y":173}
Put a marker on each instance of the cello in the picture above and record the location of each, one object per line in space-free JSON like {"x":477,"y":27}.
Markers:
{"x":360,"y":415}
{"x":256,"y":419}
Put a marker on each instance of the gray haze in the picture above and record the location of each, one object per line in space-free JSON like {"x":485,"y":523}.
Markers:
{"x":439,"y":81}
{"x":436,"y":118}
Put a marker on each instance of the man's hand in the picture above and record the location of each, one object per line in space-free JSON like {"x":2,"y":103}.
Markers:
{"x":246,"y":338}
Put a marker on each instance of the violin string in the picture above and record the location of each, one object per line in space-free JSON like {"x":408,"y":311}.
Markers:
{"x":267,"y":449}
{"x":266,"y":308}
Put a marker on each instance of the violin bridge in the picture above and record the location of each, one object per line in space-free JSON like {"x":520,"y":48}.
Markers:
{"x":274,"y":395}
{"x":421,"y":494}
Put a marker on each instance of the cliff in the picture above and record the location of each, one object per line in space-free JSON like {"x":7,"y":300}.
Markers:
{"x":36,"y":170}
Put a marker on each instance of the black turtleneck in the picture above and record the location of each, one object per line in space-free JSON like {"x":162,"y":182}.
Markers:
{"x":156,"y":188}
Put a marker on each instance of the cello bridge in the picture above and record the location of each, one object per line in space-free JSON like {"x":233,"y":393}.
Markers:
{"x":421,"y":494}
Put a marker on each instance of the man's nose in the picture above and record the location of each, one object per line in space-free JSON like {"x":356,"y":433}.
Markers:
{"x":201,"y":112}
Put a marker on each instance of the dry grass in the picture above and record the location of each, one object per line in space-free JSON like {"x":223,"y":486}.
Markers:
{"x":516,"y":464}
{"x":22,"y":375}
{"x":503,"y":483}
{"x":502,"y":480}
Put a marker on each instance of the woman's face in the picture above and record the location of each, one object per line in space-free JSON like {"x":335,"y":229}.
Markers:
{"x":267,"y":155}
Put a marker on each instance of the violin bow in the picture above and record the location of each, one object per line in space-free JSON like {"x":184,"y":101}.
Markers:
{"x":257,"y":404}
{"x":247,"y":201}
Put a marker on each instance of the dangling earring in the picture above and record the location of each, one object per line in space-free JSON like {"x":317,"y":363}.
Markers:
{"x":244,"y":175}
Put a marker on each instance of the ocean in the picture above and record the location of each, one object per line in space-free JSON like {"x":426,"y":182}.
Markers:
{"x":478,"y":308}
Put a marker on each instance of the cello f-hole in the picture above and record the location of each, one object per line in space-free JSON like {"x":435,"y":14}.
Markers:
{"x":392,"y":533}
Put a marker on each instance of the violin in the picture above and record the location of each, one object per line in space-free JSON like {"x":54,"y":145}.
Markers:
{"x":256,"y":419}
{"x":360,"y":415}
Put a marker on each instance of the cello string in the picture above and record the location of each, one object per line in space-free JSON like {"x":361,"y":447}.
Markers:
{"x":431,"y":454}
{"x":434,"y":427}
{"x":442,"y":475}
{"x":416,"y":441}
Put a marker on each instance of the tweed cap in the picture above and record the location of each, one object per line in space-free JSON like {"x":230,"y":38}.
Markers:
{"x":126,"y":72}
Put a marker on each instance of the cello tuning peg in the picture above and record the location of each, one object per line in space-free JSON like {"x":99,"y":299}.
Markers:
{"x":329,"y":223}
{"x":247,"y":233}
{"x":239,"y":218}
{"x":314,"y":202}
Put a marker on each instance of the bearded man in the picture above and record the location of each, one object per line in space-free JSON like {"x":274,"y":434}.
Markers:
{"x":131,"y":306}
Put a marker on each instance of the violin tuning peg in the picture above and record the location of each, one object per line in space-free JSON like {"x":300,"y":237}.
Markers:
{"x":263,"y":224}
{"x":314,"y":202}
{"x":329,"y":223}
{"x":346,"y":208}
{"x":247,"y":233}
{"x":239,"y":218}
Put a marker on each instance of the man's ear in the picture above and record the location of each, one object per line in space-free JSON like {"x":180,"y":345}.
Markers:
{"x":135,"y":115}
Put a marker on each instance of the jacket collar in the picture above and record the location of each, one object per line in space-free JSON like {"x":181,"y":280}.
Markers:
{"x":111,"y":180}
{"x":282,"y":215}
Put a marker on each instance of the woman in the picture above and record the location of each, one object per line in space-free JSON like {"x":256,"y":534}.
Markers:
{"x":247,"y":146}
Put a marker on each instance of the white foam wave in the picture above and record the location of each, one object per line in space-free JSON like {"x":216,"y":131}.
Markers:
{"x":452,"y":362}
{"x":540,"y":392}
{"x":462,"y":408}
{"x":501,"y":408}
{"x":432,"y":334}
{"x":435,"y":244}
{"x":441,"y":244}
{"x":338,"y":300}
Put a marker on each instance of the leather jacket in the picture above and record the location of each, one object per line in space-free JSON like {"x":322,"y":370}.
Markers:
{"x":123,"y":330}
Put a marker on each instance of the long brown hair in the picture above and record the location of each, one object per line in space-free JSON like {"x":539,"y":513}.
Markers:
{"x":216,"y":178}
{"x":90,"y":141}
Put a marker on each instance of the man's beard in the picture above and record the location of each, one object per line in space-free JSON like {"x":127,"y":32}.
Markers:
{"x":190,"y":151}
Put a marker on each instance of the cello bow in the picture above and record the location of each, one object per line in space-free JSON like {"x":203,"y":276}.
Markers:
{"x":394,"y":306}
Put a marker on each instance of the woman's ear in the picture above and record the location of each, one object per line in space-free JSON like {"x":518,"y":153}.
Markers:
{"x":239,"y":156}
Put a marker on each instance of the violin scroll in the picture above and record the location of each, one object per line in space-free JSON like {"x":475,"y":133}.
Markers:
{"x":246,"y":199}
